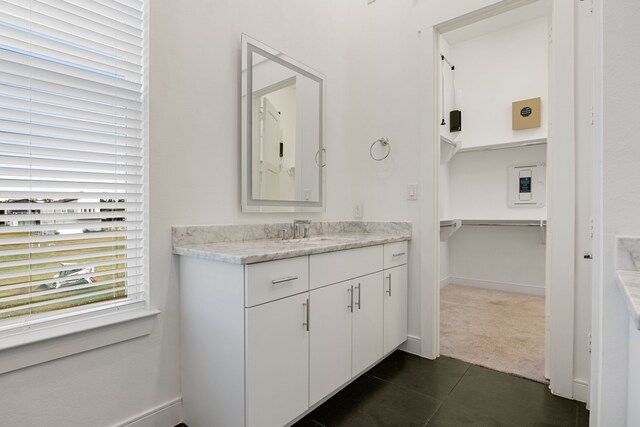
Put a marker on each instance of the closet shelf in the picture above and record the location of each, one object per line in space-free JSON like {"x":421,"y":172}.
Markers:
{"x":502,"y":146}
{"x":450,"y":226}
{"x":448,"y":149}
{"x":506,"y":222}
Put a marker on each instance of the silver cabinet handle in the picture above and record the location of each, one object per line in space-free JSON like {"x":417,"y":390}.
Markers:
{"x":350,"y":290}
{"x":306,"y":320}
{"x":389,"y":277}
{"x":399,"y":254}
{"x":359,"y":296}
{"x":286,"y":279}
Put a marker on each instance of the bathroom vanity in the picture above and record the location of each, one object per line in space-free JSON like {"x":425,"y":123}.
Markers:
{"x":272,"y":328}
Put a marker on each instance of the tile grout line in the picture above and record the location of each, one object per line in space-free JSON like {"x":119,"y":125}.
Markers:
{"x":440,"y":402}
{"x":434,"y":414}
{"x":448,"y":394}
{"x":404,"y":388}
{"x":460,"y":379}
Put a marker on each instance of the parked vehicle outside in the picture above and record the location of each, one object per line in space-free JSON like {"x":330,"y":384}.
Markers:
{"x":69,"y":277}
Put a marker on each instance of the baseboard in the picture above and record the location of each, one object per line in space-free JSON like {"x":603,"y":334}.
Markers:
{"x":411,"y":345}
{"x":444,"y":282}
{"x":581,"y":391}
{"x":498,"y":286}
{"x":168,"y":414}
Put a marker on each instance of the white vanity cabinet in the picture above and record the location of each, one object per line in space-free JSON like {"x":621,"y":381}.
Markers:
{"x":395,"y":307}
{"x":330,"y":341}
{"x":277,"y":361}
{"x":346,"y":332}
{"x":264,"y":343}
{"x":395,"y":295}
{"x":367,"y":323}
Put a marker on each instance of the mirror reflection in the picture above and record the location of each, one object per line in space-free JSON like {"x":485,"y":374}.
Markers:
{"x":284,"y":132}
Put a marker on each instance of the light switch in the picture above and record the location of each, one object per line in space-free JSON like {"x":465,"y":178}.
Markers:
{"x":412,"y":191}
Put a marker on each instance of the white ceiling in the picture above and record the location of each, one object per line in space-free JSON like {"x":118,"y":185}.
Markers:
{"x":507,"y":19}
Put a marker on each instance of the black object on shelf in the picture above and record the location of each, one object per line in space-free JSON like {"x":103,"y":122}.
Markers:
{"x":455,"y":121}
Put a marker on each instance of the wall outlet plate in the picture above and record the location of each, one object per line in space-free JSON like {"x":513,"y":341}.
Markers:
{"x":357,"y":211}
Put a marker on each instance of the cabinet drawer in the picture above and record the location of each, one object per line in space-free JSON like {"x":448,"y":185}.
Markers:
{"x":334,"y":267}
{"x":268,"y":281}
{"x":395,"y":254}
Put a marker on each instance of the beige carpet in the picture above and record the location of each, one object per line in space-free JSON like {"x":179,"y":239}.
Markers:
{"x":499,"y":330}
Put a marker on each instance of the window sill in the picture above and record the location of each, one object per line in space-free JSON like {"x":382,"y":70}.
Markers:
{"x":43,"y":344}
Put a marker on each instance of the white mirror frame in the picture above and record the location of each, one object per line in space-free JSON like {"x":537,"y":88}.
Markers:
{"x":249,"y":204}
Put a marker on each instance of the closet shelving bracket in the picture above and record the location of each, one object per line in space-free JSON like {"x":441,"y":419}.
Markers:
{"x":448,"y":149}
{"x":448,"y":227}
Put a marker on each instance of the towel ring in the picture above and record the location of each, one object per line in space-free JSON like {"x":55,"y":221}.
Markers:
{"x":384,"y":141}
{"x":324,"y":151}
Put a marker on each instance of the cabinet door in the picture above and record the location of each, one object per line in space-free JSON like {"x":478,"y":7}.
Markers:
{"x":277,"y":361}
{"x":330,"y":335}
{"x":395,"y":307}
{"x":367,"y":322}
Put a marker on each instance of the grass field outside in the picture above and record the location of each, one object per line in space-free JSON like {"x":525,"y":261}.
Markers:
{"x":39,"y":261}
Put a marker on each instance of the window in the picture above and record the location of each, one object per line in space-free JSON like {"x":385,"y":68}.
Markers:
{"x":71,"y":158}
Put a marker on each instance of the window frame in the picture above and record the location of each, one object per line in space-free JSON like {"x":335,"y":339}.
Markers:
{"x":92,"y":326}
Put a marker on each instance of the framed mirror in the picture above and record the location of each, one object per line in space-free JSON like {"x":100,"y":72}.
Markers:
{"x":283,"y":119}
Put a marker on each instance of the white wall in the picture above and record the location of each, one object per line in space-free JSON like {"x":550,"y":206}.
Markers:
{"x":195,"y":179}
{"x":478,"y":183}
{"x":633,"y":397}
{"x":496,"y":69}
{"x":618,"y":155}
{"x":504,"y":258}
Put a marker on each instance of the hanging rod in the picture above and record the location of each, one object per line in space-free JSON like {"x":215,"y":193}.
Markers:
{"x":505,"y":223}
{"x":444,"y":58}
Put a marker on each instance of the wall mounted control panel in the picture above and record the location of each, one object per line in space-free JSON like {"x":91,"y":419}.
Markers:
{"x":526,"y":186}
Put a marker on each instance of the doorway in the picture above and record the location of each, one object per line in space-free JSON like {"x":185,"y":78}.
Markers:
{"x":494,"y":98}
{"x":552,"y":232}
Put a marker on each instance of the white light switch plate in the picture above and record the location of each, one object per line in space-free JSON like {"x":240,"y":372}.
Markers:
{"x":412,"y":191}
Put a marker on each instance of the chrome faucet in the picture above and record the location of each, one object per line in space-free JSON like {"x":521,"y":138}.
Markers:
{"x":301,"y":224}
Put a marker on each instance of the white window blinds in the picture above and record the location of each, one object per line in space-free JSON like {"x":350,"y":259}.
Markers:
{"x":71,"y":157}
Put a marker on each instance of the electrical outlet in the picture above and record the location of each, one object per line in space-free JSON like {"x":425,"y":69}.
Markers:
{"x":357,"y":211}
{"x":412,"y":191}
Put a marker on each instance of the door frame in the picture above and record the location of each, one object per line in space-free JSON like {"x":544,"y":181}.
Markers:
{"x":561,"y":191}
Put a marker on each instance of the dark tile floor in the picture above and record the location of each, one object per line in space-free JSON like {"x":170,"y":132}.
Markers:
{"x":406,"y":390}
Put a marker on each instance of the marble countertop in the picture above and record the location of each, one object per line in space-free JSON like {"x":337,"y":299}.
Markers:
{"x":629,"y":283}
{"x":253,"y":251}
{"x":628,"y":274}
